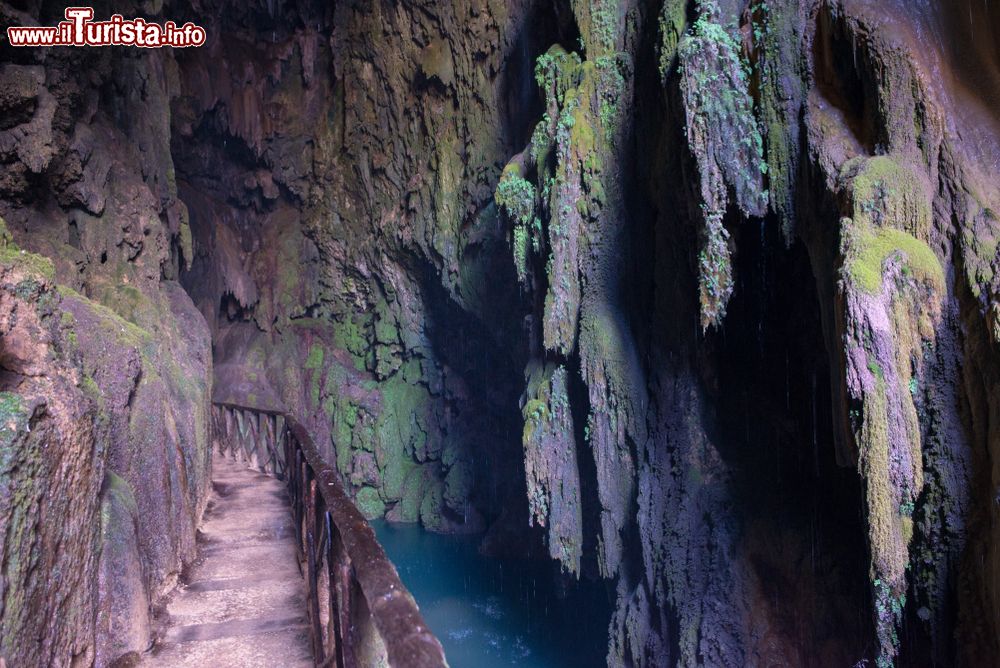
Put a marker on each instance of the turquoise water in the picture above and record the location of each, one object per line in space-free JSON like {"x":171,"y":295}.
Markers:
{"x":490,"y":612}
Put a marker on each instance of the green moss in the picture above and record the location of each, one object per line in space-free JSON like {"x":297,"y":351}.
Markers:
{"x":369,"y":503}
{"x":521,"y":247}
{"x":28,"y":289}
{"x":906,"y":529}
{"x":314,"y":364}
{"x":715,"y":271}
{"x":90,"y":388}
{"x":431,"y":506}
{"x":287,"y":294}
{"x":13,"y":420}
{"x":890,"y":523}
{"x":610,"y":86}
{"x":672,"y":22}
{"x":458,"y":486}
{"x":129,"y":302}
{"x":128,"y":308}
{"x":870,"y":248}
{"x":722,"y":129}
{"x":600,"y":25}
{"x":350,"y":333}
{"x":887,"y":534}
{"x":386,"y":329}
{"x":403,"y":405}
{"x":550,"y":460}
{"x":778,"y":28}
{"x":581,"y":132}
{"x":12,"y":256}
{"x":882,"y":497}
{"x":118,"y":487}
{"x":344,"y":419}
{"x":885,"y":193}
{"x":6,"y":240}
{"x":536,"y":414}
{"x":412,"y":494}
{"x":394,"y":476}
{"x":557,"y":72}
{"x":113,"y":325}
{"x":541,"y":140}
{"x":411,"y":371}
{"x":515,"y":196}
{"x":724,"y":136}
{"x":314,"y":360}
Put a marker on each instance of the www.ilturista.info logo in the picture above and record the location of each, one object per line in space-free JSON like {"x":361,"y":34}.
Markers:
{"x":79,"y":30}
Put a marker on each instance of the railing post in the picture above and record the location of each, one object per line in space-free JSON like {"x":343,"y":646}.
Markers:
{"x":228,"y":416}
{"x":342,"y":575}
{"x":281,"y":447}
{"x":332,"y":559}
{"x":310,"y":551}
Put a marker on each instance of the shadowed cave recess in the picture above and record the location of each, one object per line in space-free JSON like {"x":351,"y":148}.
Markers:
{"x":693,"y":302}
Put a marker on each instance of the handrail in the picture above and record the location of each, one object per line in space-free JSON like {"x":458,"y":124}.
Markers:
{"x":360,"y":613}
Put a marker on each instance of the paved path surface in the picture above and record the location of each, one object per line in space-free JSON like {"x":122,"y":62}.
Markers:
{"x":243,"y":603}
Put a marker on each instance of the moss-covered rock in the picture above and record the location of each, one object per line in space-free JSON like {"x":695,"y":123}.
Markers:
{"x":672,"y":23}
{"x":883,"y":192}
{"x":778,"y":29}
{"x":432,"y":505}
{"x":871,"y":248}
{"x":123,"y":618}
{"x":893,"y":285}
{"x":724,"y":136}
{"x":369,"y":503}
{"x":515,"y":196}
{"x":415,"y":486}
{"x":551,"y":467}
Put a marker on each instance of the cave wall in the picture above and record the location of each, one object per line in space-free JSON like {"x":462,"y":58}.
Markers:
{"x":698,"y":298}
{"x":105,"y":363}
{"x":346,"y":244}
{"x":835,"y":124}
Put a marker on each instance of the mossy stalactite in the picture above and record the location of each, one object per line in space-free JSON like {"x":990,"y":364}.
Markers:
{"x":893,"y":285}
{"x":760,"y":137}
{"x":573,"y":154}
{"x":723,"y":135}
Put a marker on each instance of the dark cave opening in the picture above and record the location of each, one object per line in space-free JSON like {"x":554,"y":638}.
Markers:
{"x":803,"y":516}
{"x":488,"y":357}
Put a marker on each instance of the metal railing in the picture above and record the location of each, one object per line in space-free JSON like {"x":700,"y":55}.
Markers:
{"x":360,"y":614}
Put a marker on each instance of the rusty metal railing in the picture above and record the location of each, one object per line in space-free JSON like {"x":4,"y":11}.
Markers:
{"x":360,"y":614}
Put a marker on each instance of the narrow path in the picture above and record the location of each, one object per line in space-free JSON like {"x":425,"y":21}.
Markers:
{"x":243,"y":602}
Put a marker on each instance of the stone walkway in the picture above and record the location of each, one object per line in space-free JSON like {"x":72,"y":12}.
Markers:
{"x":243,"y":602}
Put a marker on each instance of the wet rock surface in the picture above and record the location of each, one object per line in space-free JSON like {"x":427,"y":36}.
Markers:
{"x":106,"y":364}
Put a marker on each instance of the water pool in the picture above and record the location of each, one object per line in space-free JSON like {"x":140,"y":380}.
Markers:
{"x":491,"y":612}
